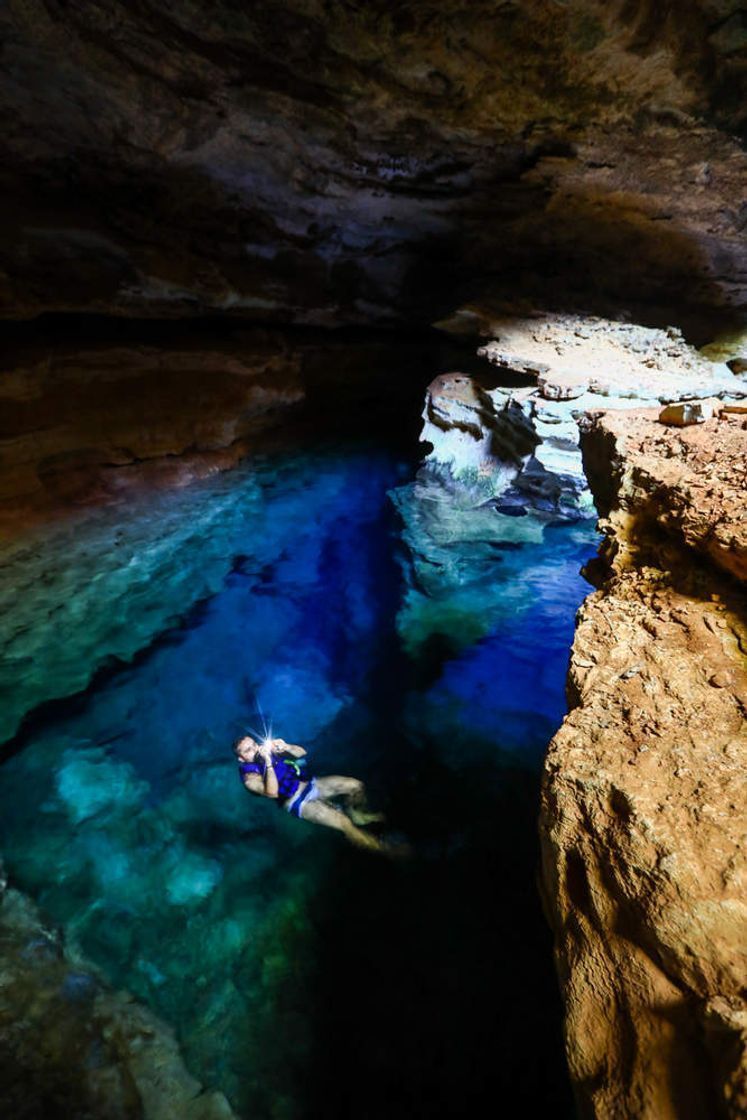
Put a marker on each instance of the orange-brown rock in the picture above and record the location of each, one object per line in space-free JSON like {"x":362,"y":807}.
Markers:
{"x":82,"y":424}
{"x":689,"y":483}
{"x":644,"y":804}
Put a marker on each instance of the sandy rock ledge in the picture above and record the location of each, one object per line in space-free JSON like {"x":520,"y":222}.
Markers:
{"x":644,"y":803}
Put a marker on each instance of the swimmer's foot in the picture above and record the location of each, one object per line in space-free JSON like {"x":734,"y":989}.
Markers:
{"x":398,"y":849}
{"x":364,"y":816}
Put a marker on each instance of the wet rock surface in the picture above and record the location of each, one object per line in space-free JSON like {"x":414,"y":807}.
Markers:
{"x":644,"y":807}
{"x":329,"y":163}
{"x":70,"y":1046}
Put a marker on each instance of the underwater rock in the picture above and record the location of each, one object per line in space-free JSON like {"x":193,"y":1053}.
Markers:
{"x":88,"y":784}
{"x":97,"y":587}
{"x":482,"y":489}
{"x":70,"y":1046}
{"x":643,"y":803}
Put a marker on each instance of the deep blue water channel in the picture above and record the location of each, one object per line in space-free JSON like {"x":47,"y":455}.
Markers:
{"x":303,"y":977}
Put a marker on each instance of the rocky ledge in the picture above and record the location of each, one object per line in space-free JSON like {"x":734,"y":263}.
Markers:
{"x":643,"y":805}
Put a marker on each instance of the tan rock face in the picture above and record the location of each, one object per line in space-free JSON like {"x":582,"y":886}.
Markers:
{"x":689,"y":484}
{"x":644,"y":806}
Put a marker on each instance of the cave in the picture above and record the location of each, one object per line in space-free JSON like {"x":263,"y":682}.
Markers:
{"x":373,"y":413}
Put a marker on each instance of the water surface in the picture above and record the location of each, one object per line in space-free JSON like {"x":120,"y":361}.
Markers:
{"x":304,"y":978}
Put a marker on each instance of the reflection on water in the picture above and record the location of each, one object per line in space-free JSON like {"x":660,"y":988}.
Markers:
{"x":304,"y":977}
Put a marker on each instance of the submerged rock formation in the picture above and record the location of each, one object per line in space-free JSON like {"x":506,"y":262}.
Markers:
{"x":76,"y":1048}
{"x":644,"y":804}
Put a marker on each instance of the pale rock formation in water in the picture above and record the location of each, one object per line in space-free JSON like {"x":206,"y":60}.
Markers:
{"x":482,"y":440}
{"x":578,"y":363}
{"x":75,"y":1046}
{"x":644,"y":804}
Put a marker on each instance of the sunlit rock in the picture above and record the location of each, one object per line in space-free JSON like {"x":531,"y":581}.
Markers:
{"x":478,"y":439}
{"x":684,"y":413}
{"x":644,"y":809}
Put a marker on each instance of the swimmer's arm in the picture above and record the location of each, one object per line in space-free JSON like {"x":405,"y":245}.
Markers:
{"x":281,"y":747}
{"x":271,"y":779}
{"x":254,"y":783}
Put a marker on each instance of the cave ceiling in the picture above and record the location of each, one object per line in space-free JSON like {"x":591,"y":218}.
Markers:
{"x":331,"y":162}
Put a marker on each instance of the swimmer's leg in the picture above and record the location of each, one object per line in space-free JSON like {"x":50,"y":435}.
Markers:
{"x":321,"y":812}
{"x":353,"y":793}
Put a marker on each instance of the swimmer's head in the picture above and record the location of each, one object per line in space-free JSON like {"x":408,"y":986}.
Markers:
{"x":245,"y":748}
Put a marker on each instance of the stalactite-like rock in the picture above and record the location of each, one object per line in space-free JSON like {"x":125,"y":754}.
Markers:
{"x":644,"y":806}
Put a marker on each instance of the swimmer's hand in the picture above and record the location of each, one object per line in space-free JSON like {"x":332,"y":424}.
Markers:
{"x":280,"y":746}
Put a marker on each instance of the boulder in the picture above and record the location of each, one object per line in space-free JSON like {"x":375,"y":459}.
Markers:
{"x":683,"y":413}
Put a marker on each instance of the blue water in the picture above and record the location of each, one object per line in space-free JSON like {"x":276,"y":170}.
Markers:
{"x":302,"y":976}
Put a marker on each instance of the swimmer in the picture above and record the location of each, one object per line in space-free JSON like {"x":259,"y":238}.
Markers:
{"x":277,"y":770}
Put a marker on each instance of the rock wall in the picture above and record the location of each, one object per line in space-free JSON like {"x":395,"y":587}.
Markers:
{"x":325,"y":162}
{"x":644,"y":805}
{"x":82,"y":423}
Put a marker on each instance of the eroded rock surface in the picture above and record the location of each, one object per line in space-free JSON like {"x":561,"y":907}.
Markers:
{"x":689,"y":483}
{"x":331,"y":162}
{"x":644,"y":806}
{"x":480,"y":438}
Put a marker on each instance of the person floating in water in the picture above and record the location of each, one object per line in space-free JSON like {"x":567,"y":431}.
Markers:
{"x":277,"y":770}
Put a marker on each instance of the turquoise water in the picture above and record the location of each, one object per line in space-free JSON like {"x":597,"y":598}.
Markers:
{"x":302,"y":977}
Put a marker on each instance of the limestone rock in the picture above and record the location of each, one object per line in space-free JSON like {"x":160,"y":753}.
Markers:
{"x":644,"y":801}
{"x":84,"y":424}
{"x":688,"y":483}
{"x":684,"y":413}
{"x":619,"y":362}
{"x":481,"y":440}
{"x":562,"y":385}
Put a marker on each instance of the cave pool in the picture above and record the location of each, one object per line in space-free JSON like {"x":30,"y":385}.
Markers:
{"x":303,"y":977}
